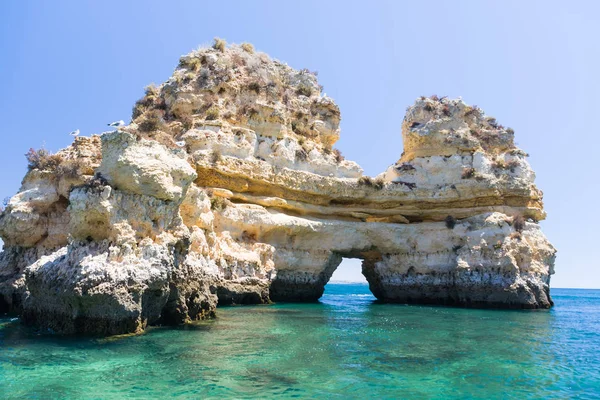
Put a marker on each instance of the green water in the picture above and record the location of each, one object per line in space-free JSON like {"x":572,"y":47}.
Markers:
{"x":347,"y":346}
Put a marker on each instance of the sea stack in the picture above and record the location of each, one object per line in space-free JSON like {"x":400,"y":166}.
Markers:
{"x":225,"y":188}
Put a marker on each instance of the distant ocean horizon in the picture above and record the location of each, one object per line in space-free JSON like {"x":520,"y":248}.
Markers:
{"x":354,"y":282}
{"x":345,"y":346}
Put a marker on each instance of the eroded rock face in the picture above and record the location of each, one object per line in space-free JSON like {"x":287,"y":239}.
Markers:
{"x":225,"y":189}
{"x":144,"y":167}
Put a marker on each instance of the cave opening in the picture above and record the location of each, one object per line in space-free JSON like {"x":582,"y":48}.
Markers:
{"x":348,"y":280}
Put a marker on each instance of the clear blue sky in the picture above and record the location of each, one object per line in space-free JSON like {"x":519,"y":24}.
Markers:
{"x":534,"y":65}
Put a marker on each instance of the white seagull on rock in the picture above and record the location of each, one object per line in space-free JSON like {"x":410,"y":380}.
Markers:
{"x":117,"y":123}
{"x":75,"y":133}
{"x":180,"y":143}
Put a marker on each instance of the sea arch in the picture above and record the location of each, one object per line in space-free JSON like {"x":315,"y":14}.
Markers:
{"x":308,"y":284}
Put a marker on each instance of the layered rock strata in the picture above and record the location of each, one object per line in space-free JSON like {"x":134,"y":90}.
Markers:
{"x":225,"y":188}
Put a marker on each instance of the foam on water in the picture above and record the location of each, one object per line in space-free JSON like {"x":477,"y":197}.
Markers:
{"x":346,"y":346}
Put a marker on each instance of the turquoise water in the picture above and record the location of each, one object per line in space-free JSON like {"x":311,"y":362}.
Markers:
{"x":345,"y":347}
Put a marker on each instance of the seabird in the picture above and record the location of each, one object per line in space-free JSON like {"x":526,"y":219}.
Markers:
{"x":117,"y":123}
{"x":75,"y":133}
{"x":180,"y":143}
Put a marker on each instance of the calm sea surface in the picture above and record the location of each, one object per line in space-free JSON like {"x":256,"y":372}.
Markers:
{"x":345,"y":347}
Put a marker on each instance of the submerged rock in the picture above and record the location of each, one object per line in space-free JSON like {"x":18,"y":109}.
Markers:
{"x":225,"y":189}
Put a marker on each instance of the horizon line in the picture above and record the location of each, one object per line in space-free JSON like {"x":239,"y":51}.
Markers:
{"x":571,"y":288}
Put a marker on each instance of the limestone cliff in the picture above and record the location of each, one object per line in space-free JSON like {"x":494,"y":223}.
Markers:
{"x":225,"y":188}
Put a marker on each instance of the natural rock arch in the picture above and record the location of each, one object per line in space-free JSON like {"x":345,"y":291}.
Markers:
{"x":288,"y":287}
{"x":225,"y":186}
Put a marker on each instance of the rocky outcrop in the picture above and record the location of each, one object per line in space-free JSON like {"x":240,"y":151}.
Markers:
{"x":225,"y":188}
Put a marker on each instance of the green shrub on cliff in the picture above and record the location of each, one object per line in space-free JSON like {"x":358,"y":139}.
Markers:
{"x":338,"y":156}
{"x":365,"y":181}
{"x":370,"y":182}
{"x":304,"y":90}
{"x":219,"y":44}
{"x":153,"y":119}
{"x":247,"y":47}
{"x":212,"y":113}
{"x":450,"y":222}
{"x":218,"y":204}
{"x":301,"y":155}
{"x":467,"y":173}
{"x":42,"y":159}
{"x":378,"y":183}
{"x":215,"y":157}
{"x":518,"y":223}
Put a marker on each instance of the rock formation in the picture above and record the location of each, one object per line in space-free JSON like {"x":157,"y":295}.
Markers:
{"x":225,"y":188}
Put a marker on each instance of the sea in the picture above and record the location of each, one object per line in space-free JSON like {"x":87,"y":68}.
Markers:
{"x":347,"y":346}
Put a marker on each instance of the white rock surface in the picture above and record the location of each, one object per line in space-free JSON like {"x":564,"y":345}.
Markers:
{"x":144,"y":167}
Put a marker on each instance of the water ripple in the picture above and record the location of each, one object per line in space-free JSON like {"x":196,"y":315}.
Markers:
{"x":346,"y":346}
